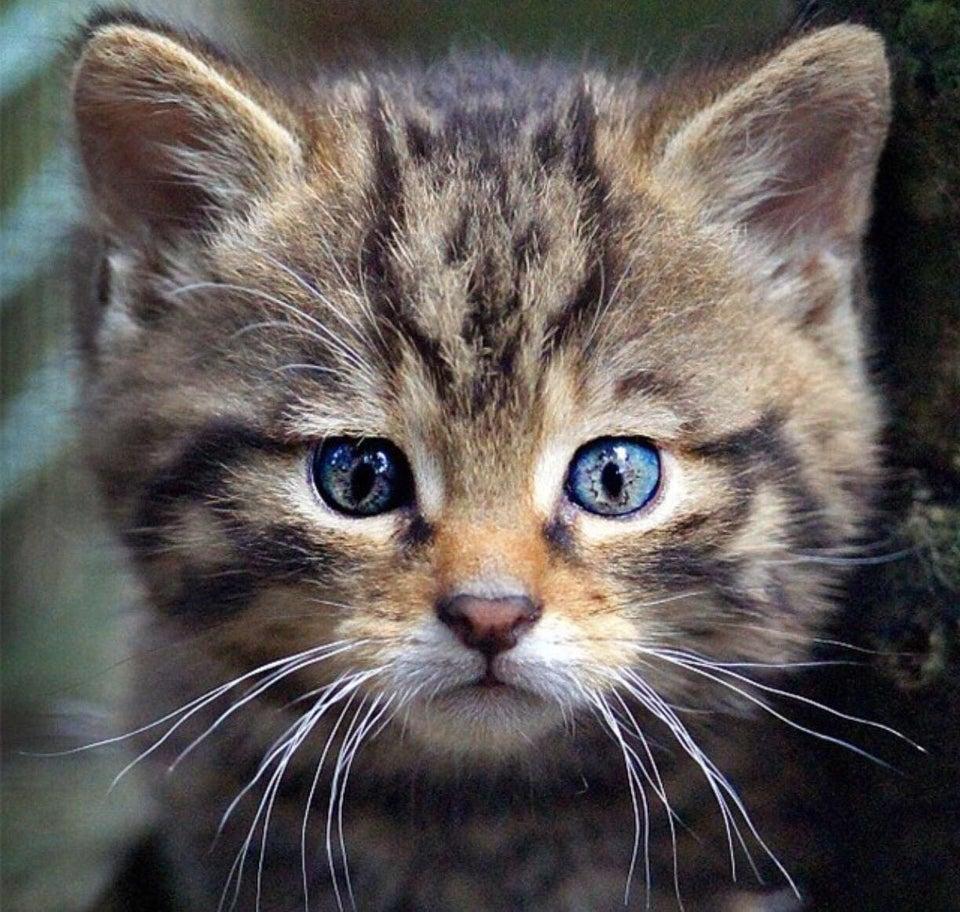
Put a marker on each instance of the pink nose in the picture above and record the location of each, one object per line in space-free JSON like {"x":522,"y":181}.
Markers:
{"x":489,"y":625}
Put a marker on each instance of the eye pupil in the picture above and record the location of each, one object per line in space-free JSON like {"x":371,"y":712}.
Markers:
{"x":361,"y":481}
{"x":612,"y":480}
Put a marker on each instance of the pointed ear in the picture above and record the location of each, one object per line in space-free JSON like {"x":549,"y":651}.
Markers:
{"x":789,"y":152}
{"x":172,"y":135}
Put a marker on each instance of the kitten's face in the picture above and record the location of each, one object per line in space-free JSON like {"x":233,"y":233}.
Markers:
{"x":499,"y":393}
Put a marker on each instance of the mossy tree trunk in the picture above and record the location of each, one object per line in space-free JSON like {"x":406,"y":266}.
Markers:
{"x":900,"y":834}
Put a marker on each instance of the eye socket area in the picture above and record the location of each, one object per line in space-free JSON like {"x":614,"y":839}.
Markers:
{"x":614,"y":476}
{"x":361,"y":477}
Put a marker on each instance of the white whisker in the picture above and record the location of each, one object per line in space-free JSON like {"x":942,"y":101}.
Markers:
{"x":701,"y":669}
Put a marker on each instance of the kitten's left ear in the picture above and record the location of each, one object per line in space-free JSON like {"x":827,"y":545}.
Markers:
{"x":172,"y":135}
{"x":789,"y":153}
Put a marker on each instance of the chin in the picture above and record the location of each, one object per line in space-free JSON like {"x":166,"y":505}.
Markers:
{"x":484,"y":723}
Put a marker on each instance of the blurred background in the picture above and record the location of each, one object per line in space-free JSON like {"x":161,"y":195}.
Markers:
{"x":64,"y":592}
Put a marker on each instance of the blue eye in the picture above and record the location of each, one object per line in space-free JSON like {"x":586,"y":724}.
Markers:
{"x":614,"y":476}
{"x":362,"y":477}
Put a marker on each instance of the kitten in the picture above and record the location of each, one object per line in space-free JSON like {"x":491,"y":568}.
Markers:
{"x":475,"y":432}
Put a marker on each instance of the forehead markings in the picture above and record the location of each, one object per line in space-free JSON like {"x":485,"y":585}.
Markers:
{"x":593,"y":294}
{"x":493,"y":325}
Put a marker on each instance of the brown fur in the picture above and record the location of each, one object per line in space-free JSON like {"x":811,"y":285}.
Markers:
{"x":488,"y":265}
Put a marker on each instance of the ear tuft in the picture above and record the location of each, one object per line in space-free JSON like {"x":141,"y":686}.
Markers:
{"x":791,"y":150}
{"x":172,"y":135}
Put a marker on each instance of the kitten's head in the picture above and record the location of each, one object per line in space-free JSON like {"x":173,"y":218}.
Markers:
{"x":512,"y":381}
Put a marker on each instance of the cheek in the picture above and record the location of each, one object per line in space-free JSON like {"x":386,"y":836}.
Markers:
{"x":586,"y":611}
{"x":369,"y":603}
{"x":388,"y":606}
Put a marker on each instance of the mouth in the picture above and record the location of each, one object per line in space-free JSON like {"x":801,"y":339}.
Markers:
{"x":486,"y":715}
{"x":489,"y":680}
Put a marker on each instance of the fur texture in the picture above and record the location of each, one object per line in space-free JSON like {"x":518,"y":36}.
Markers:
{"x":489,"y":264}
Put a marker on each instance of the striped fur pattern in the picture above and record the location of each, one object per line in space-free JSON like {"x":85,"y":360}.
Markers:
{"x":489,"y":264}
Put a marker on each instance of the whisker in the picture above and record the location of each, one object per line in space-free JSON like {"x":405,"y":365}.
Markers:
{"x":778,"y":715}
{"x":636,"y":791}
{"x":310,"y":796}
{"x":718,"y":783}
{"x":282,"y":751}
{"x":661,"y":791}
{"x":252,"y":695}
{"x":209,"y":696}
{"x":368,"y":725}
{"x":330,"y":806}
{"x":725,"y":669}
{"x":350,"y":354}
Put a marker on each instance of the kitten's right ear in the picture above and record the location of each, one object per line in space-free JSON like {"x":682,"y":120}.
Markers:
{"x":170,"y":133}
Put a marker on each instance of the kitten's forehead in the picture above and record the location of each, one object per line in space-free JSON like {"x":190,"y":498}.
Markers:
{"x":492,"y":238}
{"x":487,"y":227}
{"x":501,"y":249}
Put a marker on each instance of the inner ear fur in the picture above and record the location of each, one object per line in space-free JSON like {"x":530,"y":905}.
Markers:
{"x":170,"y":134}
{"x":789,"y":152}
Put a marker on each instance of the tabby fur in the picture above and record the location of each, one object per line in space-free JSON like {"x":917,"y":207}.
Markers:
{"x":489,"y":263}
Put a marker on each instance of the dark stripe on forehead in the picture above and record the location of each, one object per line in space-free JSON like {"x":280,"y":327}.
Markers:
{"x":389,"y":216}
{"x":590,"y":299}
{"x":386,"y":203}
{"x":427,"y":349}
{"x":582,"y":126}
{"x":650,"y":381}
{"x":421,"y":142}
{"x":596,"y":223}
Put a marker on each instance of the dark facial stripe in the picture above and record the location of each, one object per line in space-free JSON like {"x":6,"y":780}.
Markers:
{"x":746,"y":447}
{"x":686,"y":564}
{"x":196,"y":474}
{"x":762,"y":453}
{"x":212,"y":594}
{"x":276,"y":553}
{"x":273,"y":556}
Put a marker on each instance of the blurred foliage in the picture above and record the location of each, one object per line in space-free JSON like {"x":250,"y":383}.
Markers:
{"x":648,"y":31}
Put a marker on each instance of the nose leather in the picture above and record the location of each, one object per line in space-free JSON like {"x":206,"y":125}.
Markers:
{"x":489,"y":625}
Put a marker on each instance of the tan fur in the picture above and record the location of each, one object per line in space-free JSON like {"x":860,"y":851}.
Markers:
{"x":681,"y":269}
